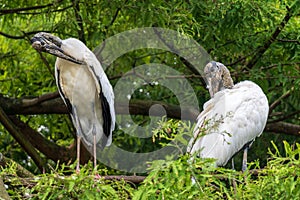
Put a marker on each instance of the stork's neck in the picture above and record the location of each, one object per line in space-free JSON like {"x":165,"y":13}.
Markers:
{"x":227,"y":81}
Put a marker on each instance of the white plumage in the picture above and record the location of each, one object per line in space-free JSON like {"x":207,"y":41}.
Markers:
{"x":81,"y":85}
{"x":231,"y":119}
{"x":85,"y":89}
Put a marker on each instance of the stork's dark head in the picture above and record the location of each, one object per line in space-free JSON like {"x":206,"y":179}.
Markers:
{"x":48,"y":43}
{"x":217,"y":77}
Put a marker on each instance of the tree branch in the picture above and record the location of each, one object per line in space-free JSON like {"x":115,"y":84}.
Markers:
{"x":25,"y":106}
{"x":79,"y":20}
{"x":132,"y":179}
{"x":115,"y":15}
{"x":285,"y":117}
{"x":50,"y":104}
{"x":283,"y":127}
{"x":179,"y":52}
{"x":21,"y":36}
{"x":17,"y":134}
{"x":50,"y":149}
{"x":19,"y":10}
{"x":20,"y":171}
{"x":40,"y":99}
{"x":262,"y":49}
{"x":277,"y":102}
{"x":291,"y":41}
{"x":3,"y":193}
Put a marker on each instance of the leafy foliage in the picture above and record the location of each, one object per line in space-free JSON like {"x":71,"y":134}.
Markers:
{"x":171,"y":179}
{"x":250,"y":37}
{"x":84,"y":185}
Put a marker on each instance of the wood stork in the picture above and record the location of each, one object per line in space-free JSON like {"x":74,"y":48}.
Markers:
{"x":85,"y":89}
{"x":231,"y":120}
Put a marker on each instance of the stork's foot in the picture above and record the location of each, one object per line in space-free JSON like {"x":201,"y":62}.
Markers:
{"x":77,"y":168}
{"x":97,"y":176}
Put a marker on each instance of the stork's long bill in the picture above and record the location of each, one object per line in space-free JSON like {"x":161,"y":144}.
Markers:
{"x":84,"y":88}
{"x":46,"y":42}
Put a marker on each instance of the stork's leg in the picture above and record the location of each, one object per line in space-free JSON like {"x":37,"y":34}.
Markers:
{"x":79,"y":134}
{"x":244,"y":165}
{"x":94,"y":152}
{"x":232,"y":163}
{"x":78,"y":154}
{"x":94,"y":137}
{"x":233,"y":180}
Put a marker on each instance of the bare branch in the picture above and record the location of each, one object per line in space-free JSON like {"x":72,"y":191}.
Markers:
{"x":283,"y":127}
{"x":39,"y":99}
{"x":277,"y":102}
{"x":51,"y":103}
{"x":262,"y":49}
{"x":280,"y":64}
{"x":20,"y":171}
{"x":50,"y":149}
{"x":286,"y":40}
{"x":79,"y":20}
{"x":3,"y":193}
{"x":19,"y":10}
{"x":132,"y":179}
{"x":21,"y":36}
{"x":189,"y":65}
{"x":285,"y":116}
{"x":46,"y":63}
{"x":17,"y":134}
{"x":115,"y":15}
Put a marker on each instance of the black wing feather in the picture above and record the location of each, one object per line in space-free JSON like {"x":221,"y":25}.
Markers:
{"x":66,"y":100}
{"x":106,"y":117}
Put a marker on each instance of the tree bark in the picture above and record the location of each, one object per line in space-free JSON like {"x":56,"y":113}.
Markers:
{"x":283,"y":127}
{"x":20,"y":171}
{"x":18,"y":135}
{"x":51,"y":103}
{"x":3,"y":193}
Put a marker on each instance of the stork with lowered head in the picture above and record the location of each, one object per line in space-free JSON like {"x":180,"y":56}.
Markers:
{"x":84,"y":88}
{"x":231,"y":120}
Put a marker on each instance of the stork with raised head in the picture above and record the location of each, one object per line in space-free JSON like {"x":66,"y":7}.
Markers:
{"x":231,"y":120}
{"x":85,"y":89}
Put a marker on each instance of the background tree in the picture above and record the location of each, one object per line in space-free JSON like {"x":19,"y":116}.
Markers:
{"x":257,"y":40}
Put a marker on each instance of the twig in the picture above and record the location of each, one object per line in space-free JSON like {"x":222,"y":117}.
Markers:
{"x":19,"y":10}
{"x":276,"y":65}
{"x":132,"y":179}
{"x":277,"y":102}
{"x":284,"y":117}
{"x":79,"y":20}
{"x":262,"y":49}
{"x":39,"y":99}
{"x":286,"y":40}
{"x":46,"y":63}
{"x":173,"y":49}
{"x":18,"y":37}
{"x":115,"y":16}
